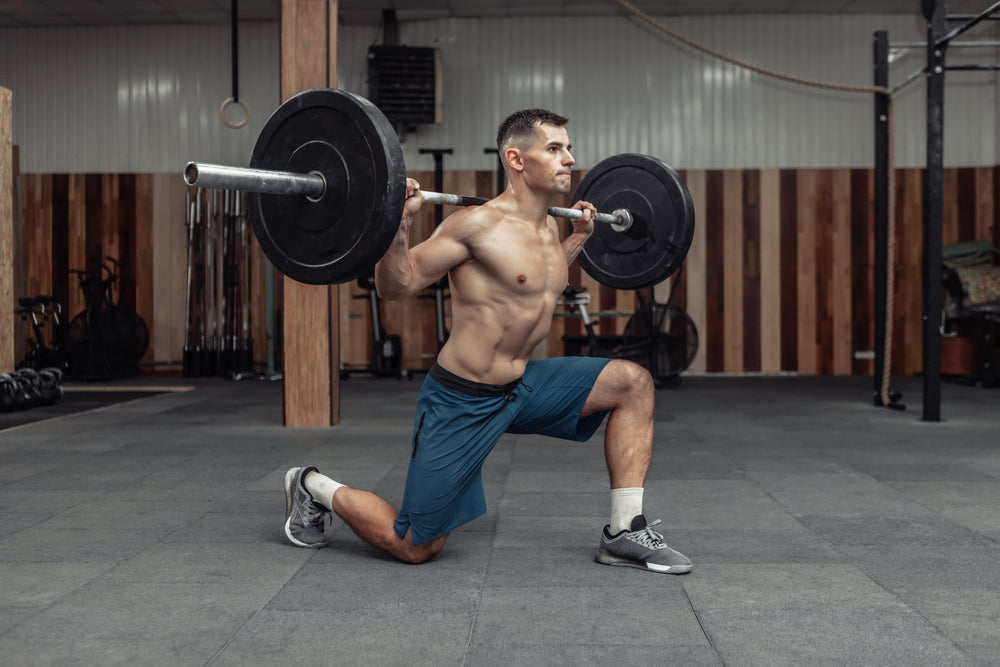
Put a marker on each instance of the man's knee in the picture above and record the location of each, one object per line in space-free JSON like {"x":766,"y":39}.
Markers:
{"x":642,"y":380}
{"x":631,"y":377}
{"x":622,"y":384}
{"x":415,"y":554}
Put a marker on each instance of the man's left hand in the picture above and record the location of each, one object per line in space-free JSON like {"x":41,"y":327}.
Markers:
{"x":584,"y":224}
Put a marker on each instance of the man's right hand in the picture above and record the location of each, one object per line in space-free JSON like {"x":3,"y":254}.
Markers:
{"x":414,"y":198}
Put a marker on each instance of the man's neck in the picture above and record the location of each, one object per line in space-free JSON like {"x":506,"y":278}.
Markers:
{"x":531,"y":204}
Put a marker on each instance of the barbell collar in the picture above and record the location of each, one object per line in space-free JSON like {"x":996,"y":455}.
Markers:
{"x":263,"y":181}
{"x":623,"y":221}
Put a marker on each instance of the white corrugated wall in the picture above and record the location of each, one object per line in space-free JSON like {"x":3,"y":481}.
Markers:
{"x":123,"y":99}
{"x":629,"y":88}
{"x":134,"y":99}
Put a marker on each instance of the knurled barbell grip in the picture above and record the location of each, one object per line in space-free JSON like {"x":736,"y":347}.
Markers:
{"x":313,"y":185}
{"x":451,"y":200}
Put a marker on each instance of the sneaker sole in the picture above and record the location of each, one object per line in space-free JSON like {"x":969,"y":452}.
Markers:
{"x":606,"y":558}
{"x":299,"y":543}
{"x":289,"y":490}
{"x":289,"y":483}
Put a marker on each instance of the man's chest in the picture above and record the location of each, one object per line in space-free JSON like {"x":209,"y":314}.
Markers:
{"x":524,"y":263}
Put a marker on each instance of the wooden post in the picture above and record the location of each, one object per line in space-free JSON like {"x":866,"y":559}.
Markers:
{"x":7,"y":302}
{"x":311,"y":314}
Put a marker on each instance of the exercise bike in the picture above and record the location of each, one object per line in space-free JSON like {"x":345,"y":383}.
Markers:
{"x":594,"y":345}
{"x":36,"y":311}
{"x":660,"y":337}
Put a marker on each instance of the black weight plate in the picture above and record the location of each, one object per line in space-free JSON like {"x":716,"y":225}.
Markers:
{"x":345,"y":138}
{"x":662,"y":228}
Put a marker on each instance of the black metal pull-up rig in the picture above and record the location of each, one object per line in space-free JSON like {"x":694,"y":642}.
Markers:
{"x":942,"y":30}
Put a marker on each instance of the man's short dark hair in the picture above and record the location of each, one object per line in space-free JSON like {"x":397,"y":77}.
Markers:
{"x":519,"y":127}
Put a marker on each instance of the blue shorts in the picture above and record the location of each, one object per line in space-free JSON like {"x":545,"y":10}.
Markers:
{"x":458,"y":422}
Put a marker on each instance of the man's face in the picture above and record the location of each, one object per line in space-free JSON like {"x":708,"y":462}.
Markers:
{"x":549,"y":161}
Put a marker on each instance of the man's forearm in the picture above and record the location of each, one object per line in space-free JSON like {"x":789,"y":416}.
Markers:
{"x":393,"y":271}
{"x":573,"y":244}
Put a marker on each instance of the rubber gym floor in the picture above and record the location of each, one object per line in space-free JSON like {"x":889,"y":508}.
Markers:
{"x":822,"y":530}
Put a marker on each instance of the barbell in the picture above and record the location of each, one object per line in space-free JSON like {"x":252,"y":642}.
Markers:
{"x":313,"y":186}
{"x":327,"y":182}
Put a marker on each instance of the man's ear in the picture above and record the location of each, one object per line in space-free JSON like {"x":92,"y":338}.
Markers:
{"x":513,"y":158}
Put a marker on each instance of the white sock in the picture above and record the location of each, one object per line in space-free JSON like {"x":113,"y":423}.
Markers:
{"x":626,"y":504}
{"x":321,"y":488}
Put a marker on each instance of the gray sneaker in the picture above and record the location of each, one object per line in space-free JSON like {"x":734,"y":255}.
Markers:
{"x":303,"y":516}
{"x":641,"y":547}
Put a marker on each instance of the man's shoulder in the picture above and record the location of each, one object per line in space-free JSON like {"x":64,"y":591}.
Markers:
{"x":473,"y":220}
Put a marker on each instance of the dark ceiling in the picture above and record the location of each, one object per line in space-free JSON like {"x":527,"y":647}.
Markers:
{"x":51,"y":13}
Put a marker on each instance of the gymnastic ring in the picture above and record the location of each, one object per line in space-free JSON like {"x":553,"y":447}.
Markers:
{"x":246,"y":113}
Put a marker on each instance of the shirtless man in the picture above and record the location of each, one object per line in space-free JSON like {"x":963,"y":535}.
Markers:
{"x":506,"y":268}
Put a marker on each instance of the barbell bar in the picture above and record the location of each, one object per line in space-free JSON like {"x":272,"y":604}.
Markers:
{"x":326,"y":187}
{"x":313,"y":186}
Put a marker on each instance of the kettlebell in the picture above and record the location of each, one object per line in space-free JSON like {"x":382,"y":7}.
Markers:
{"x":9,"y":391}
{"x":50,"y":387}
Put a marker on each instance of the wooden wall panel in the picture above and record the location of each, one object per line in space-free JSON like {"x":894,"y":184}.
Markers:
{"x":770,"y":271}
{"x":102,"y":198}
{"x":779,"y":276}
{"x":76,"y":241}
{"x":125,"y":232}
{"x":965,"y":201}
{"x":750,"y":320}
{"x":822,"y":230}
{"x":908,"y":302}
{"x":789,"y":271}
{"x":951,"y":215}
{"x":60,"y":248}
{"x":841,"y":277}
{"x":37,"y":236}
{"x":169,"y":237}
{"x":996,"y":207}
{"x":984,"y":204}
{"x":732,"y":284}
{"x":695,"y":265}
{"x":353,"y":332}
{"x":145,"y":277}
{"x":8,"y":220}
{"x":713,"y":337}
{"x":808,"y":187}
